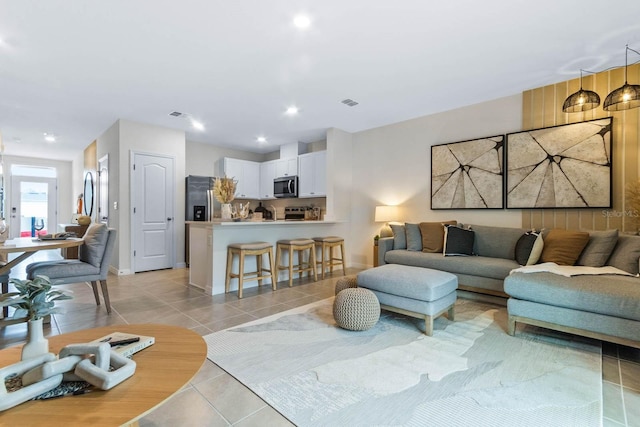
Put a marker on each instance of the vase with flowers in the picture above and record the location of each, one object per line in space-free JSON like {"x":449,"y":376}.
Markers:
{"x":35,"y":299}
{"x":224,"y":190}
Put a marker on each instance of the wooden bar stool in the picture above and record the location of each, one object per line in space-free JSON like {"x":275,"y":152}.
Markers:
{"x":299,"y":246}
{"x":330,"y":243}
{"x":243,"y":249}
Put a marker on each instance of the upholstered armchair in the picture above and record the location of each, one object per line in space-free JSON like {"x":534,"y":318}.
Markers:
{"x":92,"y":266}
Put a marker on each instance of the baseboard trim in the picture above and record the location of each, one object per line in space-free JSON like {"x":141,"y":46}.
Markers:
{"x":117,"y":272}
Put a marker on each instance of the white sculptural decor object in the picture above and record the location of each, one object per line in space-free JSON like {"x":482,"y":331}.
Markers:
{"x":43,"y":373}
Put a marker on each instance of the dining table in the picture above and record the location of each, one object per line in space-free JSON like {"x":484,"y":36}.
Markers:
{"x":26,"y":247}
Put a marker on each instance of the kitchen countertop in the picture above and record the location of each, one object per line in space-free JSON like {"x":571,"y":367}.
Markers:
{"x":209,"y":242}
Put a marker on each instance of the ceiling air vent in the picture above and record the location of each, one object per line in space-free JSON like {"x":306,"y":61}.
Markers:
{"x":176,"y":114}
{"x":349,"y":102}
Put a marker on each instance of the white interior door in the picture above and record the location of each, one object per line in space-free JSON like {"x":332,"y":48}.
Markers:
{"x":33,"y":208}
{"x":152,"y":190}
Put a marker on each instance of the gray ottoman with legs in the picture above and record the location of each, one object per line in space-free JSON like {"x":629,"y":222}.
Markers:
{"x":415,"y":291}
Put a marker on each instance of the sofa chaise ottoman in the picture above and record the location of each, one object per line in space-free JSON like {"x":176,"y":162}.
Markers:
{"x":414,"y":291}
{"x":601,"y":306}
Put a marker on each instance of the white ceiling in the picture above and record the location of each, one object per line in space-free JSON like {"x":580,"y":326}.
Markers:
{"x":73,"y":67}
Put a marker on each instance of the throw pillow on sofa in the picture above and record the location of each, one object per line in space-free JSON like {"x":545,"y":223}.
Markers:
{"x":458,"y":241}
{"x":399,"y":236}
{"x":599,"y":248}
{"x":414,"y":239}
{"x":433,"y":235}
{"x":529,"y":248}
{"x":626,"y":253}
{"x":563,"y":246}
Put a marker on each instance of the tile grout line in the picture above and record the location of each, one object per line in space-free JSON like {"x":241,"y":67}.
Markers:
{"x":624,"y":408}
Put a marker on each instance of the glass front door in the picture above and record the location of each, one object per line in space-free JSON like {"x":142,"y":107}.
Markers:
{"x":33,"y":206}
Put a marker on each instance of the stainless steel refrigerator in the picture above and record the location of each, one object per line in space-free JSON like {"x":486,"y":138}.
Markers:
{"x":197,"y":203}
{"x":196,"y":197}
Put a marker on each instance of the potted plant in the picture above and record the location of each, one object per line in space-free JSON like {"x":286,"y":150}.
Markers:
{"x":34,"y":300}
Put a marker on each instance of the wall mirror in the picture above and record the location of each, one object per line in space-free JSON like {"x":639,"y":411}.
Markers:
{"x":88,"y":194}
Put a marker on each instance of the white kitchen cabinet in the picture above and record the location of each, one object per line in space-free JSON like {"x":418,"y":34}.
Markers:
{"x":286,"y":167}
{"x":312,"y":174}
{"x":267,"y":174}
{"x":247,"y":173}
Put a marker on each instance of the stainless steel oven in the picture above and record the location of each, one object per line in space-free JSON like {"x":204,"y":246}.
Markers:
{"x":286,"y":186}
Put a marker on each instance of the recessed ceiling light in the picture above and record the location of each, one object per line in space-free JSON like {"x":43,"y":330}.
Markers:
{"x":49,"y":137}
{"x":197,"y":125}
{"x":261,"y":139}
{"x":292,"y":111}
{"x":302,"y":22}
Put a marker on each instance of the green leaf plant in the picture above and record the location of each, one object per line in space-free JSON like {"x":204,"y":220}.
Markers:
{"x":34,"y":299}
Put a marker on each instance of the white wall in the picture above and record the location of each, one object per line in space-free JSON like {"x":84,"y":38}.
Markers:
{"x":339,"y":175}
{"x":77,"y":179}
{"x":392,"y":165}
{"x":109,"y":143}
{"x":150,"y":139}
{"x":119,"y":141}
{"x":204,"y":159}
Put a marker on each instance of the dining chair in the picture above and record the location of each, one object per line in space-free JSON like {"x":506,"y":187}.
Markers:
{"x":92,"y":265}
{"x":4,"y":280}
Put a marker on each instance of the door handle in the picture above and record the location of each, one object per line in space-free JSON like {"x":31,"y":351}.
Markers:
{"x":169,"y":219}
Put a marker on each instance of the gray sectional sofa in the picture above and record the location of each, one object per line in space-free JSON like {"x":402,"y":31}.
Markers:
{"x":484,"y":273}
{"x":605,"y":307}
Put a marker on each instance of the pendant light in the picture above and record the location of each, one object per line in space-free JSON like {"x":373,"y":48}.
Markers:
{"x":582,"y":100}
{"x":625,"y":97}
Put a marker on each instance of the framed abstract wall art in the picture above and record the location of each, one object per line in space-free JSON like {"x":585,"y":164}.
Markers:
{"x":567,"y":166}
{"x":468,"y":174}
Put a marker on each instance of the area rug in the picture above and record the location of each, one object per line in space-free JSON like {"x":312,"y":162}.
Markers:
{"x":470,"y":373}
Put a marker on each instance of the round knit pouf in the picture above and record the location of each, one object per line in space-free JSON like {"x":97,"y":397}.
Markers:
{"x":345,"y":283}
{"x":356,"y":309}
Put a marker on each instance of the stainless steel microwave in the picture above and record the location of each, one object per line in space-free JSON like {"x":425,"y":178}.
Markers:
{"x":286,"y":186}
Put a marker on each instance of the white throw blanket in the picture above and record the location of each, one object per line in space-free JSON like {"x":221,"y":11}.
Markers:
{"x":569,"y":270}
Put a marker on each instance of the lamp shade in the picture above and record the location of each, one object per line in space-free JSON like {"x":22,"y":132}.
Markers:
{"x":582,"y":100}
{"x":386,"y":213}
{"x":626,"y":96}
{"x":623,"y":98}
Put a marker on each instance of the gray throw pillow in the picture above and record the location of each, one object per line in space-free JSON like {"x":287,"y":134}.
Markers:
{"x":399,"y":236}
{"x":95,"y":242}
{"x":599,"y":248}
{"x":626,"y":253}
{"x":414,"y":238}
{"x":496,"y":242}
{"x":458,"y":241}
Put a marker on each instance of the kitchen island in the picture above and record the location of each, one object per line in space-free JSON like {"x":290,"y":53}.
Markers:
{"x":208,"y":243}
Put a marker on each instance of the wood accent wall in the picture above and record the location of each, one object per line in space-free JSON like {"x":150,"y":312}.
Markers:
{"x":542,"y":107}
{"x":91,"y":157}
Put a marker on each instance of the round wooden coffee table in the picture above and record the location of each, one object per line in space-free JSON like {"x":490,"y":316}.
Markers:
{"x":162,"y":370}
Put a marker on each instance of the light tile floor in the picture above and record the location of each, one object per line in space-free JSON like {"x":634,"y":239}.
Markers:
{"x":214,"y":398}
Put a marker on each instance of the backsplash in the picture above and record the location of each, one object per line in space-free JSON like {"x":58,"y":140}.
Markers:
{"x":280,"y":204}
